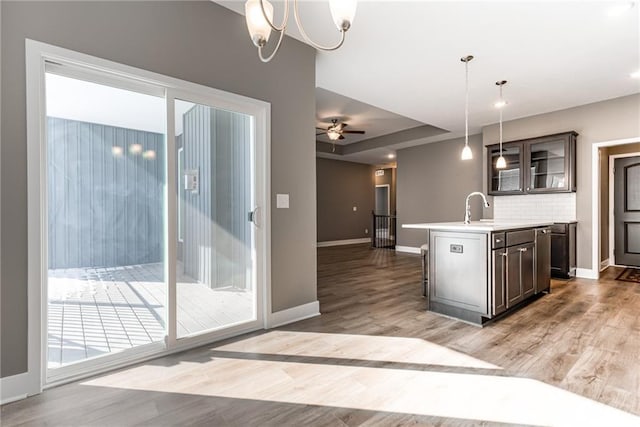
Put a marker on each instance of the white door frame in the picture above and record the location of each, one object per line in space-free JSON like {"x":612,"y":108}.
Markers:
{"x":611,"y":160}
{"x":594,"y":273}
{"x":37,"y":53}
{"x":388,"y":196}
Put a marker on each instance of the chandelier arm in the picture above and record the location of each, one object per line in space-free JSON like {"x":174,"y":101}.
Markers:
{"x":306,"y":37}
{"x":275,"y":50}
{"x":284,"y":19}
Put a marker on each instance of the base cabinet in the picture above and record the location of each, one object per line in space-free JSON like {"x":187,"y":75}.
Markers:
{"x":513,"y":278}
{"x":563,"y":250}
{"x":498,"y":297}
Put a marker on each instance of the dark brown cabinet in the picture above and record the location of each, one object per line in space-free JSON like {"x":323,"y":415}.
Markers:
{"x":563,"y":250}
{"x":538,"y":165}
{"x":514,"y":266}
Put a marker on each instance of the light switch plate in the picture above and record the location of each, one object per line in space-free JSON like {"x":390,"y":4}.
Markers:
{"x":282,"y":201}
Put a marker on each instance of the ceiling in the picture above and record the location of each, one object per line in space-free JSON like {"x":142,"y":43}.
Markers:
{"x":404,"y":56}
{"x":358,"y":115}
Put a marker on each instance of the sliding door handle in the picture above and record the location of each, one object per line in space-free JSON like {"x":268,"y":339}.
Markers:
{"x":253,"y":217}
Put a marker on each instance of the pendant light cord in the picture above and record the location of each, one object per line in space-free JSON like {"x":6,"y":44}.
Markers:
{"x":501,"y":108}
{"x":466,"y":104}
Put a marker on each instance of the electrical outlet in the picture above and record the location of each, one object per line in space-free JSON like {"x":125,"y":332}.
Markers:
{"x":366,"y":231}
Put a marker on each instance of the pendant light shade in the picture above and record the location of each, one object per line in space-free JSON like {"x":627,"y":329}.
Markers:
{"x":501,"y":163}
{"x":466,"y":154}
{"x":258,"y":26}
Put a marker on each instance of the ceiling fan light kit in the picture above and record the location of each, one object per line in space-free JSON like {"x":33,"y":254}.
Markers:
{"x":259,"y":17}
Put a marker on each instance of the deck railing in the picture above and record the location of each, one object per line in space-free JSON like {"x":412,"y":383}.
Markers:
{"x":384,"y":231}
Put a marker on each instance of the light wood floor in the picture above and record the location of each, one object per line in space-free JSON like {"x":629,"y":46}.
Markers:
{"x":375,"y":357}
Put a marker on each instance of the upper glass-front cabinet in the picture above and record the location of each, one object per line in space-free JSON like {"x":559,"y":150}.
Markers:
{"x":538,"y":165}
{"x":510,"y":179}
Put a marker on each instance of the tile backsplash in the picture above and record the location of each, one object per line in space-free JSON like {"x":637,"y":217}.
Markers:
{"x":549,"y":207}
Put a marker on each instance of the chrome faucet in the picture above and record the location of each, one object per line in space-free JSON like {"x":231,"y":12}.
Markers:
{"x":467,"y":208}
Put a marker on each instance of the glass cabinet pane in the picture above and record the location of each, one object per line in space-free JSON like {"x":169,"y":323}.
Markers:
{"x":508,"y":179}
{"x":548,"y":165}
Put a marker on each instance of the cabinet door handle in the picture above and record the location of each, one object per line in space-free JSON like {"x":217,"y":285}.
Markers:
{"x":523,"y":249}
{"x":504,"y":254}
{"x":498,"y":240}
{"x":528,"y":188}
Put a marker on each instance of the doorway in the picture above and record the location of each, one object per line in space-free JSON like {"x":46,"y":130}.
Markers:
{"x":383,"y":199}
{"x":148,"y":219}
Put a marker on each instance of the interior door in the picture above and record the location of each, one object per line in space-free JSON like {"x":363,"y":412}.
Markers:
{"x":627,"y":211}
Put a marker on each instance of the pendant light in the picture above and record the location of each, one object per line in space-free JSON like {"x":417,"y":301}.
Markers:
{"x":259,"y":17}
{"x":501,"y":163}
{"x":466,"y":151}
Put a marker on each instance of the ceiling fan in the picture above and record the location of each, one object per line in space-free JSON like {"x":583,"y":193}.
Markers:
{"x":336,"y":130}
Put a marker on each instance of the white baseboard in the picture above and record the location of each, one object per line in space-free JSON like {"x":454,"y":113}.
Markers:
{"x":294,"y":314}
{"x":604,"y":264}
{"x":408,"y":249}
{"x":343,"y":242}
{"x":15,"y":387}
{"x":587,"y":273}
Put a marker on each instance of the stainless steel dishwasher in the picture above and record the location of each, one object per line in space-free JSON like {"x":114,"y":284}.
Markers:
{"x":543,"y":259}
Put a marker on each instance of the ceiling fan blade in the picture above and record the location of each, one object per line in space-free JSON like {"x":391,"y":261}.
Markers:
{"x":341,"y":137}
{"x":321,"y":133}
{"x":361,"y":132}
{"x":322,"y":129}
{"x":343,"y":125}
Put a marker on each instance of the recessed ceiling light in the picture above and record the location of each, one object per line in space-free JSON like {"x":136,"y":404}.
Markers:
{"x":391,"y":156}
{"x":635,"y":75}
{"x":620,"y":8}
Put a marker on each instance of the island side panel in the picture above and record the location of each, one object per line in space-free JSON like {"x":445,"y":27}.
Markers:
{"x":458,"y":275}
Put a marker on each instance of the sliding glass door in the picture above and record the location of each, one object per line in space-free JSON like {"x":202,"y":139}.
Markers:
{"x":215,"y":260}
{"x":153,"y":239}
{"x":106,"y":289}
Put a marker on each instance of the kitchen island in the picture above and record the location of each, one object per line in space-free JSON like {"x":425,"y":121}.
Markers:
{"x":482,"y":270}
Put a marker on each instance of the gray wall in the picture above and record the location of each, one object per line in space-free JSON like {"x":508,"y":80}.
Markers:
{"x":104,"y":210}
{"x":199,"y":42}
{"x":432,"y":185}
{"x":613,"y":119}
{"x":604,"y":191}
{"x":341,"y":186}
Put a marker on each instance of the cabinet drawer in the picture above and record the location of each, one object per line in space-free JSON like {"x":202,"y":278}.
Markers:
{"x":498,"y":240}
{"x":520,"y":237}
{"x":559,"y":228}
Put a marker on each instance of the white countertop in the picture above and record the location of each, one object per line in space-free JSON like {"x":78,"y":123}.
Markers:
{"x":499,"y":225}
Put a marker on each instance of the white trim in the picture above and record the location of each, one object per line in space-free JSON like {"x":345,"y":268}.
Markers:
{"x":586,"y":273}
{"x":14,"y":388}
{"x":343,"y":242}
{"x":612,"y":229}
{"x":37,"y":53}
{"x":388,"y":197}
{"x":604,"y":264}
{"x":294,"y":314}
{"x":408,"y":249}
{"x":595,"y":198}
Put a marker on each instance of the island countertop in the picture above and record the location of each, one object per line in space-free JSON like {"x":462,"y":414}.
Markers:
{"x":484,"y":225}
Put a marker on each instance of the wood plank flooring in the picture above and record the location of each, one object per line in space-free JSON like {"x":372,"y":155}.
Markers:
{"x":376,"y":357}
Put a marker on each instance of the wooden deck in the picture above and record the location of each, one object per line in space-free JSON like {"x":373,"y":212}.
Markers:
{"x":94,"y":311}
